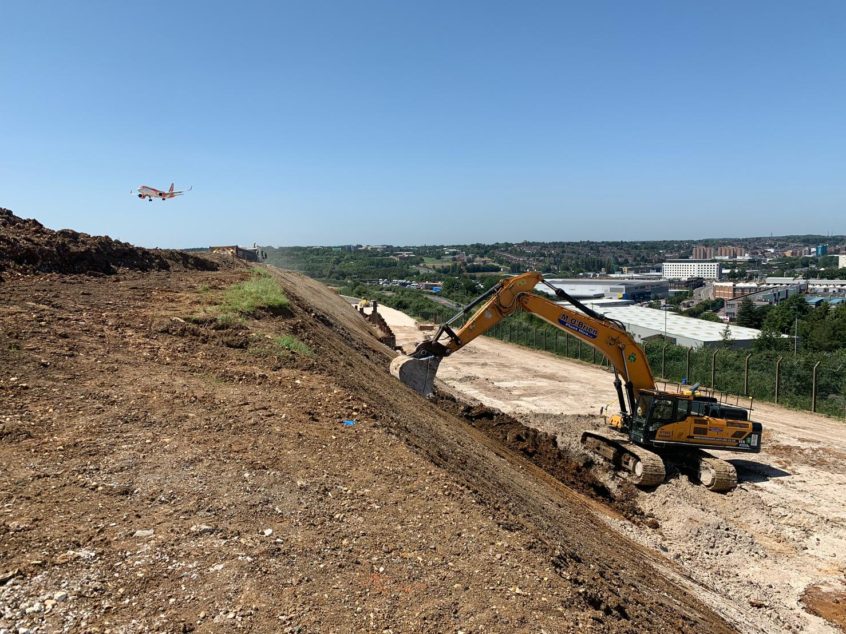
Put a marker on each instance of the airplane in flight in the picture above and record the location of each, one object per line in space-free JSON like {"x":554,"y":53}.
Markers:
{"x":151,"y":192}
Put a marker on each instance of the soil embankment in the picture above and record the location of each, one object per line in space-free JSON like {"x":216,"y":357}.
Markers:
{"x":174,"y":474}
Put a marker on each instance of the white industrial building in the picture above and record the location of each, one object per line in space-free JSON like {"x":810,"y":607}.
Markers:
{"x":684,"y":269}
{"x":649,"y":323}
{"x":823,"y":287}
{"x":637,"y":290}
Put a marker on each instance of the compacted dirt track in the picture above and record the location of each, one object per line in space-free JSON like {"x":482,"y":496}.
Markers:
{"x":163,"y":472}
{"x":770,"y":555}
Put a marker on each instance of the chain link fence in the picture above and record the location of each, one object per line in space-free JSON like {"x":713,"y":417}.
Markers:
{"x":808,"y":381}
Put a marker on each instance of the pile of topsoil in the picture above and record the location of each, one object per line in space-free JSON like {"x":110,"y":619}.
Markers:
{"x":27,"y":247}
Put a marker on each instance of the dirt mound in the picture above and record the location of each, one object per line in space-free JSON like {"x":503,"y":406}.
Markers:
{"x":573,"y":468}
{"x":27,"y":246}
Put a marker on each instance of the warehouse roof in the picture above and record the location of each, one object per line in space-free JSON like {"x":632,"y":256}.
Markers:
{"x":677,"y":325}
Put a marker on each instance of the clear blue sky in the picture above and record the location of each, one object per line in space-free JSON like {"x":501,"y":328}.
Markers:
{"x":403,"y":122}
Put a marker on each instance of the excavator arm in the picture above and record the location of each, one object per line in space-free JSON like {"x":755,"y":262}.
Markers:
{"x":631,"y":368}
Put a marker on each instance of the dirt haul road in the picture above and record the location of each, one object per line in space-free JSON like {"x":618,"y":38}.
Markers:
{"x":161,"y":470}
{"x":781,"y":533}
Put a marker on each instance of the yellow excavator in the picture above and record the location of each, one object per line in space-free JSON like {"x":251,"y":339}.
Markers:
{"x":652,"y":424}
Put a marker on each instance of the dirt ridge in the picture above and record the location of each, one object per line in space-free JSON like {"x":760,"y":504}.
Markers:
{"x":28,"y":247}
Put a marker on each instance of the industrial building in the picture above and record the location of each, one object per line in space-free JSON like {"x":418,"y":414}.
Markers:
{"x":772,"y":294}
{"x":636,"y":290}
{"x":732,"y":290}
{"x":841,"y":261}
{"x":684,"y":269}
{"x":822,"y":287}
{"x":649,"y":323}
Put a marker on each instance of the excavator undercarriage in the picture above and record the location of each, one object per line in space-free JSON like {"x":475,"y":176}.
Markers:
{"x":645,"y":468}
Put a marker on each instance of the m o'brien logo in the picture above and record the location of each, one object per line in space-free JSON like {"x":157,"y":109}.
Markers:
{"x":578,"y":325}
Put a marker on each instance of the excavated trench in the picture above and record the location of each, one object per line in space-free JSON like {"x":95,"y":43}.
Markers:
{"x":576,"y":470}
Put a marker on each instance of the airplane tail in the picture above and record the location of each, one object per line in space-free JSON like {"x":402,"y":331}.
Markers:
{"x":170,"y":191}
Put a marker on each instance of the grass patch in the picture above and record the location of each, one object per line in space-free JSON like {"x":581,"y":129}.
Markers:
{"x":229,"y":319}
{"x":260,"y":292}
{"x":291,"y":343}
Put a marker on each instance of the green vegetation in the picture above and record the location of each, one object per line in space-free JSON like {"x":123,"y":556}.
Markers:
{"x":819,"y":329}
{"x":706,"y":309}
{"x":228,"y":319}
{"x":292,"y":344}
{"x":342,"y":264}
{"x":260,"y":292}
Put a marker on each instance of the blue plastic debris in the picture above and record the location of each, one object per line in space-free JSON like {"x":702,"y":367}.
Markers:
{"x":349,"y":423}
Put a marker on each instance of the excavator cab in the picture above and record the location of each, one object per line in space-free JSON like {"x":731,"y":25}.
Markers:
{"x":666,"y":420}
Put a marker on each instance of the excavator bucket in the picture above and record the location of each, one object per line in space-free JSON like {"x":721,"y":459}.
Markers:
{"x":418,"y":373}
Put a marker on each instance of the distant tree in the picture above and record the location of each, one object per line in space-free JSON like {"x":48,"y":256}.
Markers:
{"x":770,"y":339}
{"x":783,"y":316}
{"x":747,"y":316}
{"x":727,"y":339}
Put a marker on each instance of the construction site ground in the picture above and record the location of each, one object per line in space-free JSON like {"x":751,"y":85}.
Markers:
{"x":163,"y":470}
{"x":770,"y":555}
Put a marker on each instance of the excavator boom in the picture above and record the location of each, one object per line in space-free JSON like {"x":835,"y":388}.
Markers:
{"x":512,"y":295}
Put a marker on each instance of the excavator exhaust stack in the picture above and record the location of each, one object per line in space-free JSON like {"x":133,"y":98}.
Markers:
{"x":418,"y":373}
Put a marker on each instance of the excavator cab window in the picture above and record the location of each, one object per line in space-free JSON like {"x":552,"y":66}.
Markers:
{"x":700,"y":408}
{"x":644,"y":403}
{"x":663,"y":411}
{"x":668,"y":410}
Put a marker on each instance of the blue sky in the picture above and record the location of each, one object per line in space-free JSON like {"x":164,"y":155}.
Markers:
{"x":318,"y":122}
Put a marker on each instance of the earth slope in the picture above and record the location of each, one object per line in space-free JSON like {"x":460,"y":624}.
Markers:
{"x":163,"y":471}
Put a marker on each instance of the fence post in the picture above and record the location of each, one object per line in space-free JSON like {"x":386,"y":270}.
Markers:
{"x":746,"y":375}
{"x":777,"y":378}
{"x":687,"y":371}
{"x":545,"y":343}
{"x":814,"y":388}
{"x":714,"y":369}
{"x":593,"y":360}
{"x":567,"y":343}
{"x":579,"y":349}
{"x":556,"y":342}
{"x":663,"y":361}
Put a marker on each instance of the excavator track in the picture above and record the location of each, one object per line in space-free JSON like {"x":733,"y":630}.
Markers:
{"x":715,"y":474}
{"x":645,"y":468}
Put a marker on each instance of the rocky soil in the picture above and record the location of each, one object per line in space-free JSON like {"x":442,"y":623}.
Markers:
{"x":160,"y":472}
{"x":26,"y":247}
